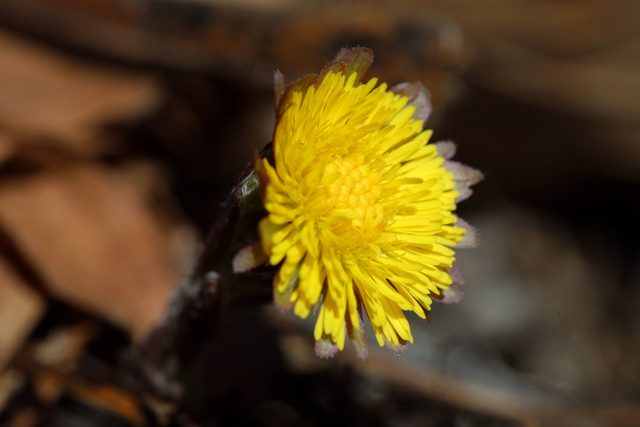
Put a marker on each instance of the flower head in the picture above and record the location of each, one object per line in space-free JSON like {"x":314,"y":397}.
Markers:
{"x":360,"y":205}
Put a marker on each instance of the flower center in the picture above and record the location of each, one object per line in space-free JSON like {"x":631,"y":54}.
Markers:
{"x":357,"y":189}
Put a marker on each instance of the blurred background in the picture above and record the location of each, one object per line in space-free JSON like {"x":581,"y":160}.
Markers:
{"x":124,"y":125}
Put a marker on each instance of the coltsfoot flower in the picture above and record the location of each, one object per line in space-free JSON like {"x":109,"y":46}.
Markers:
{"x":360,"y":205}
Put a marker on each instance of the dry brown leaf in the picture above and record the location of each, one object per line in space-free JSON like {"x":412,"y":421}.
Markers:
{"x":93,"y":242}
{"x":49,"y":95}
{"x":20,"y":309}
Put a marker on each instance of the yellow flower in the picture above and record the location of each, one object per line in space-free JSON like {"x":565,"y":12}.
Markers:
{"x":360,"y":206}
